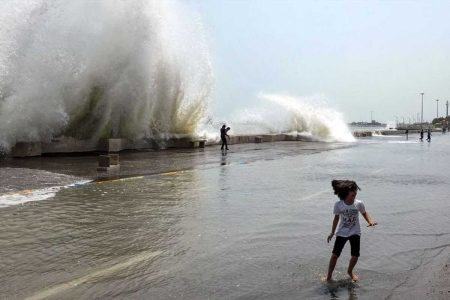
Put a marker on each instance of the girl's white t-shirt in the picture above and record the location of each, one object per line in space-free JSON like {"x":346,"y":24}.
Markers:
{"x":349,"y":221}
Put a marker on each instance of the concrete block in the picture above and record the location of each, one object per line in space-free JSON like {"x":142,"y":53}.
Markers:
{"x":24,"y":149}
{"x":197,"y":143}
{"x":104,"y":160}
{"x":114,"y":159}
{"x":111,"y":145}
{"x":106,"y":171}
{"x":69,"y":145}
{"x":290,"y":137}
{"x":179,"y":143}
{"x":363,"y":133}
{"x":267,"y":138}
{"x":186,"y":142}
{"x":243,"y":139}
{"x":193,"y":144}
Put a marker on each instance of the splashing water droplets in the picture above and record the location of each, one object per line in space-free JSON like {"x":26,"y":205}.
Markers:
{"x":134,"y":69}
{"x":92,"y":69}
{"x":285,"y":114}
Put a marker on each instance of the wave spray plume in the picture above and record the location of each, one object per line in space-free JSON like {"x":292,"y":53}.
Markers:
{"x":98,"y":69}
{"x":285,"y":114}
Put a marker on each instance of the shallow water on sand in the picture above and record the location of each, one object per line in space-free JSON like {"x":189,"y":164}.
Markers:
{"x":251,"y":224}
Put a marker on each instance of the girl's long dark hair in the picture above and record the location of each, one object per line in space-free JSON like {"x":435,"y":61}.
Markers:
{"x":343,"y":187}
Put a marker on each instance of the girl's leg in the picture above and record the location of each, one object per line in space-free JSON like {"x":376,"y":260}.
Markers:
{"x":351,"y":265}
{"x":355,"y":245}
{"x":337,"y":249}
{"x":331,"y":266}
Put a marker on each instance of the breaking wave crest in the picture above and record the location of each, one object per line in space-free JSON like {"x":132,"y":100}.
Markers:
{"x":285,"y":114}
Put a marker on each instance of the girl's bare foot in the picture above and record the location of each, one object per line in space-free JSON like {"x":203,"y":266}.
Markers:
{"x":353,"y":276}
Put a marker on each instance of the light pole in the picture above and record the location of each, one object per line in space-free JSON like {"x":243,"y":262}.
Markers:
{"x":437,"y":108}
{"x":421,"y":112}
{"x":446,"y":117}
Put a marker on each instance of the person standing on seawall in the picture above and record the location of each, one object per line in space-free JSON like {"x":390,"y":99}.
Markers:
{"x":223,"y":136}
{"x":346,"y":214}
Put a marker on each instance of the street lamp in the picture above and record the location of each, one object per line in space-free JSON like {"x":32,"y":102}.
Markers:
{"x":437,"y":108}
{"x":446,"y":104}
{"x":421,"y":112}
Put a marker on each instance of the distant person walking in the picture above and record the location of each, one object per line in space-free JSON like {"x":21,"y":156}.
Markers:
{"x":429,"y":135}
{"x":346,"y":214}
{"x":223,"y":136}
{"x":421,"y":135}
{"x":406,"y":132}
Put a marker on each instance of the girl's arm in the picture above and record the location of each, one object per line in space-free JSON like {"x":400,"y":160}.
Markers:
{"x":333,"y":228}
{"x":369,"y":219}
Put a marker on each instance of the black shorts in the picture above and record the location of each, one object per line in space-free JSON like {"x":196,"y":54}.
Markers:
{"x":354,"y":245}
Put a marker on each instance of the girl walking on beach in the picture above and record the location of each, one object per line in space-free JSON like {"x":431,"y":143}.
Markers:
{"x":346,"y":214}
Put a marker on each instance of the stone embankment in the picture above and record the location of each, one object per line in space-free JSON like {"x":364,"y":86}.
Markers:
{"x":64,"y":145}
{"x":368,"y":133}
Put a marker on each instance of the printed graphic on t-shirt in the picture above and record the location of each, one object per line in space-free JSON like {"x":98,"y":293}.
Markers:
{"x":349,"y":217}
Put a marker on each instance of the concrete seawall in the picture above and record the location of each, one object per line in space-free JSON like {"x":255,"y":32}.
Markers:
{"x":368,"y":133}
{"x":68,"y":145}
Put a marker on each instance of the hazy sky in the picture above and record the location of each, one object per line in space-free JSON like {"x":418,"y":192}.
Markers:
{"x":362,"y":55}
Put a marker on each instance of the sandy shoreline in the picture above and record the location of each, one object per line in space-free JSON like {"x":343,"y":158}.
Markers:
{"x":440,"y":285}
{"x":430,"y":280}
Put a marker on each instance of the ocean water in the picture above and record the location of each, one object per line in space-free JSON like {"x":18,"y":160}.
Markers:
{"x":248,"y":224}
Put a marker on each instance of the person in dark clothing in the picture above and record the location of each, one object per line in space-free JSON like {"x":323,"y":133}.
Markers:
{"x":223,"y":136}
{"x":429,"y":135}
{"x":421,"y":135}
{"x":406,"y":132}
